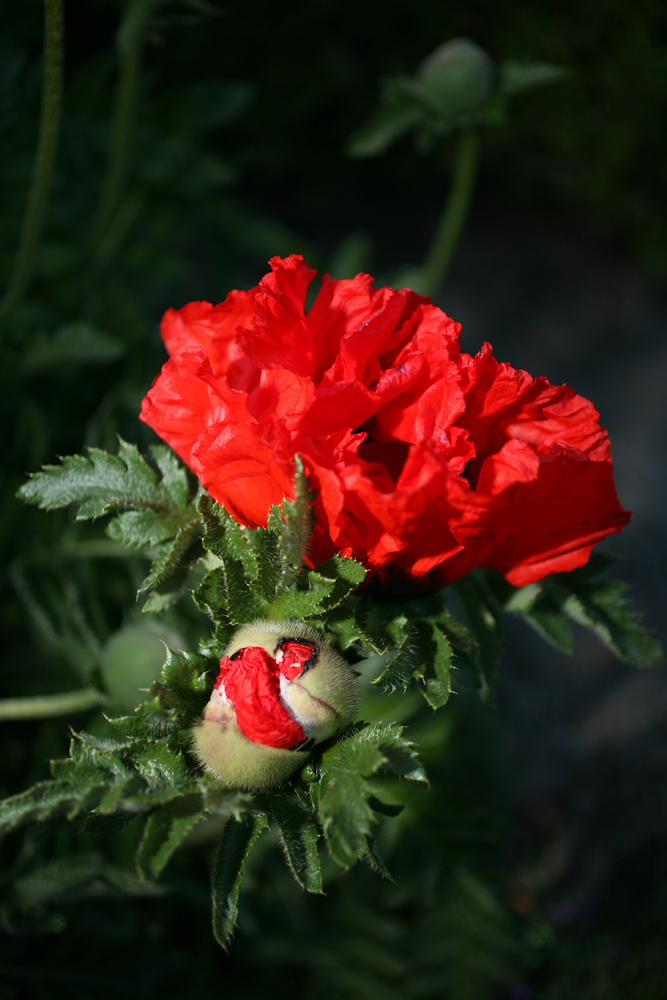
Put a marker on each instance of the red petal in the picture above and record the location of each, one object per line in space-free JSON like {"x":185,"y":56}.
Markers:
{"x":252,"y":684}
{"x":200,"y":324}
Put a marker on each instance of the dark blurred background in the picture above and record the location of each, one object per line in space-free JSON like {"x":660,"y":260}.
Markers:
{"x":535,"y":866}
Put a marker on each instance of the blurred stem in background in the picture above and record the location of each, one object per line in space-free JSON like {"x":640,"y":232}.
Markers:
{"x":49,"y":127}
{"x":130,"y":42}
{"x":50,"y":705}
{"x":454,"y":215}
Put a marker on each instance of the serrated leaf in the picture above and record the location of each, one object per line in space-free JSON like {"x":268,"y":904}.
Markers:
{"x":347,"y":575}
{"x":238,"y":839}
{"x":437,"y":675}
{"x":159,"y":766}
{"x":369,"y":855}
{"x":295,"y":603}
{"x":550,"y":620}
{"x":243,"y":604}
{"x":99,"y":483}
{"x":224,"y":537}
{"x":292,"y":524}
{"x":165,"y":831}
{"x":171,"y":556}
{"x":267,"y":555}
{"x":137,"y":528}
{"x":69,"y":796}
{"x":184,"y":681}
{"x":175,"y":480}
{"x":344,"y":796}
{"x":299,"y":835}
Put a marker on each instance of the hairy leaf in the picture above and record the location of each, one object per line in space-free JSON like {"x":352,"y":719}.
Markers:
{"x":238,"y":838}
{"x":344,"y":799}
{"x":299,"y":835}
{"x":165,"y":831}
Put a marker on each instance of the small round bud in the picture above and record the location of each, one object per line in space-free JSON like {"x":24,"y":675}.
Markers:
{"x":281,"y":688}
{"x":459,"y":75}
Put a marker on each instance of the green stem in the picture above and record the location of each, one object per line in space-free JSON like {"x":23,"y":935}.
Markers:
{"x":131,"y":36}
{"x":49,"y":126}
{"x":49,"y":705}
{"x":454,"y":214}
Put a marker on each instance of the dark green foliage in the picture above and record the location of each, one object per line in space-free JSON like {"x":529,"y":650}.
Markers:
{"x":583,"y":597}
{"x":342,"y":795}
{"x":236,"y":842}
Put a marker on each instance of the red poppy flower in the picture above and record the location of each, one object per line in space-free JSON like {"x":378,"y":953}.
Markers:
{"x":427,"y":462}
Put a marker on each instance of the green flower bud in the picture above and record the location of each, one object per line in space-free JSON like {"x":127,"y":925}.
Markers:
{"x":281,"y":689}
{"x":459,"y":75}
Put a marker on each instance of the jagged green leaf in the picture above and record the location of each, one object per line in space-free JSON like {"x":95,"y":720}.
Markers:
{"x":77,"y":788}
{"x":238,"y":839}
{"x":99,"y":483}
{"x":547,"y":616}
{"x":171,"y":556}
{"x":138,"y":528}
{"x":161,"y":766}
{"x":347,"y":575}
{"x":292,"y":524}
{"x":602,"y":606}
{"x":436,"y":677}
{"x":165,"y":831}
{"x":370,"y":856}
{"x":299,"y":834}
{"x":183,"y":683}
{"x":343,"y":801}
{"x":295,"y":603}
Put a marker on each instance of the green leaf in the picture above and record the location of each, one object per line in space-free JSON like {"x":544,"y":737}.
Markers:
{"x":238,"y":838}
{"x":299,"y":835}
{"x":547,"y":616}
{"x":183,"y":683}
{"x":171,"y":556}
{"x":99,"y":483}
{"x":437,"y":674}
{"x":347,"y":575}
{"x":160,"y":766}
{"x":369,"y":855}
{"x":518,"y":77}
{"x":601,"y":605}
{"x":399,"y":113}
{"x":295,"y":603}
{"x":344,"y":801}
{"x":165,"y":831}
{"x":293,"y":525}
{"x":76,"y":790}
{"x":137,"y":528}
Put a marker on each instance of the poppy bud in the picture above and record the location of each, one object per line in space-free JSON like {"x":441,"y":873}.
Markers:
{"x":281,"y":688}
{"x":459,"y":75}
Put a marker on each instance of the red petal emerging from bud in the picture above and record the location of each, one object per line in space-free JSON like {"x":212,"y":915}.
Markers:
{"x":251,"y":681}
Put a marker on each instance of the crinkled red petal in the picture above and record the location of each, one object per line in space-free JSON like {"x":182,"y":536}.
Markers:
{"x":252,"y":684}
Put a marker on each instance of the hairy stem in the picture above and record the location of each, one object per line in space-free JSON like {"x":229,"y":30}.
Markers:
{"x":50,"y":705}
{"x":454,"y":214}
{"x":47,"y":141}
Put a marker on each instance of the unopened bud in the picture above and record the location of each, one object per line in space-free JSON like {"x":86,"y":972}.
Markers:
{"x":280,"y":690}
